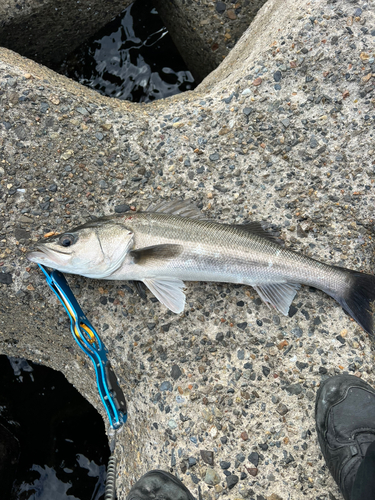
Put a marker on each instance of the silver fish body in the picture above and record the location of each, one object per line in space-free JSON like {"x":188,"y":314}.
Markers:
{"x":210,"y":251}
{"x":164,"y":248}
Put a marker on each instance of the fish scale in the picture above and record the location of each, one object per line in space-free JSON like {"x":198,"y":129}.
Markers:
{"x":228,"y":253}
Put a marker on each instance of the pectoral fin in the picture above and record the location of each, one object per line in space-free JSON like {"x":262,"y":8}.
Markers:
{"x":280,"y":295}
{"x":168,"y":291}
{"x":156,"y":252}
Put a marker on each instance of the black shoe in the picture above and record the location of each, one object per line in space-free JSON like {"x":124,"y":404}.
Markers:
{"x":345,"y":423}
{"x":158,"y":484}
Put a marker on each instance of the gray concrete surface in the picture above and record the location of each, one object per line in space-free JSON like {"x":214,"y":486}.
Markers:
{"x":205,"y":32}
{"x":281,"y":132}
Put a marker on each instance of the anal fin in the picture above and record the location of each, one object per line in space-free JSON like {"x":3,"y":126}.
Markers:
{"x":280,"y":295}
{"x":168,"y":291}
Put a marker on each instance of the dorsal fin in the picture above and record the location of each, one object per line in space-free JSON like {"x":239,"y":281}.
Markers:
{"x":257,"y":228}
{"x":183,"y":208}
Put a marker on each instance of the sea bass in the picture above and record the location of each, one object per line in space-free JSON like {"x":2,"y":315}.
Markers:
{"x":172,"y":242}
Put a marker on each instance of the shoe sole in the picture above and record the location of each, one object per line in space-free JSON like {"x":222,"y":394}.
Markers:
{"x":172,"y":478}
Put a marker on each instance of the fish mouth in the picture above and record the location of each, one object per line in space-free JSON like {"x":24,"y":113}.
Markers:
{"x":42,"y":254}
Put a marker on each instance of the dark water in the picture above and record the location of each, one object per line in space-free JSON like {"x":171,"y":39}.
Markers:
{"x":133,"y":58}
{"x":52,"y":441}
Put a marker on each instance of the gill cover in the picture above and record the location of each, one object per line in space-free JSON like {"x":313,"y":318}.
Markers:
{"x":95,"y":249}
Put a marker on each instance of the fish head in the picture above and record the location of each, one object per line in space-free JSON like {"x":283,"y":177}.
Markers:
{"x":95,"y":250}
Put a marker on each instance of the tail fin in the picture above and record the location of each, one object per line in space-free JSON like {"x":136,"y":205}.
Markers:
{"x":359,"y":300}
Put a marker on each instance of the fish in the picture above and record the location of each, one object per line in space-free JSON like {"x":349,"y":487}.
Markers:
{"x":172,"y":242}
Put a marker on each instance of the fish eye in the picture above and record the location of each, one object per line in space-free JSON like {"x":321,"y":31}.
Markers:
{"x":66,"y":240}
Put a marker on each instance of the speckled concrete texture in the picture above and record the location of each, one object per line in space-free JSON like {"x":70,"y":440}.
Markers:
{"x":223,"y":394}
{"x":205,"y":31}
